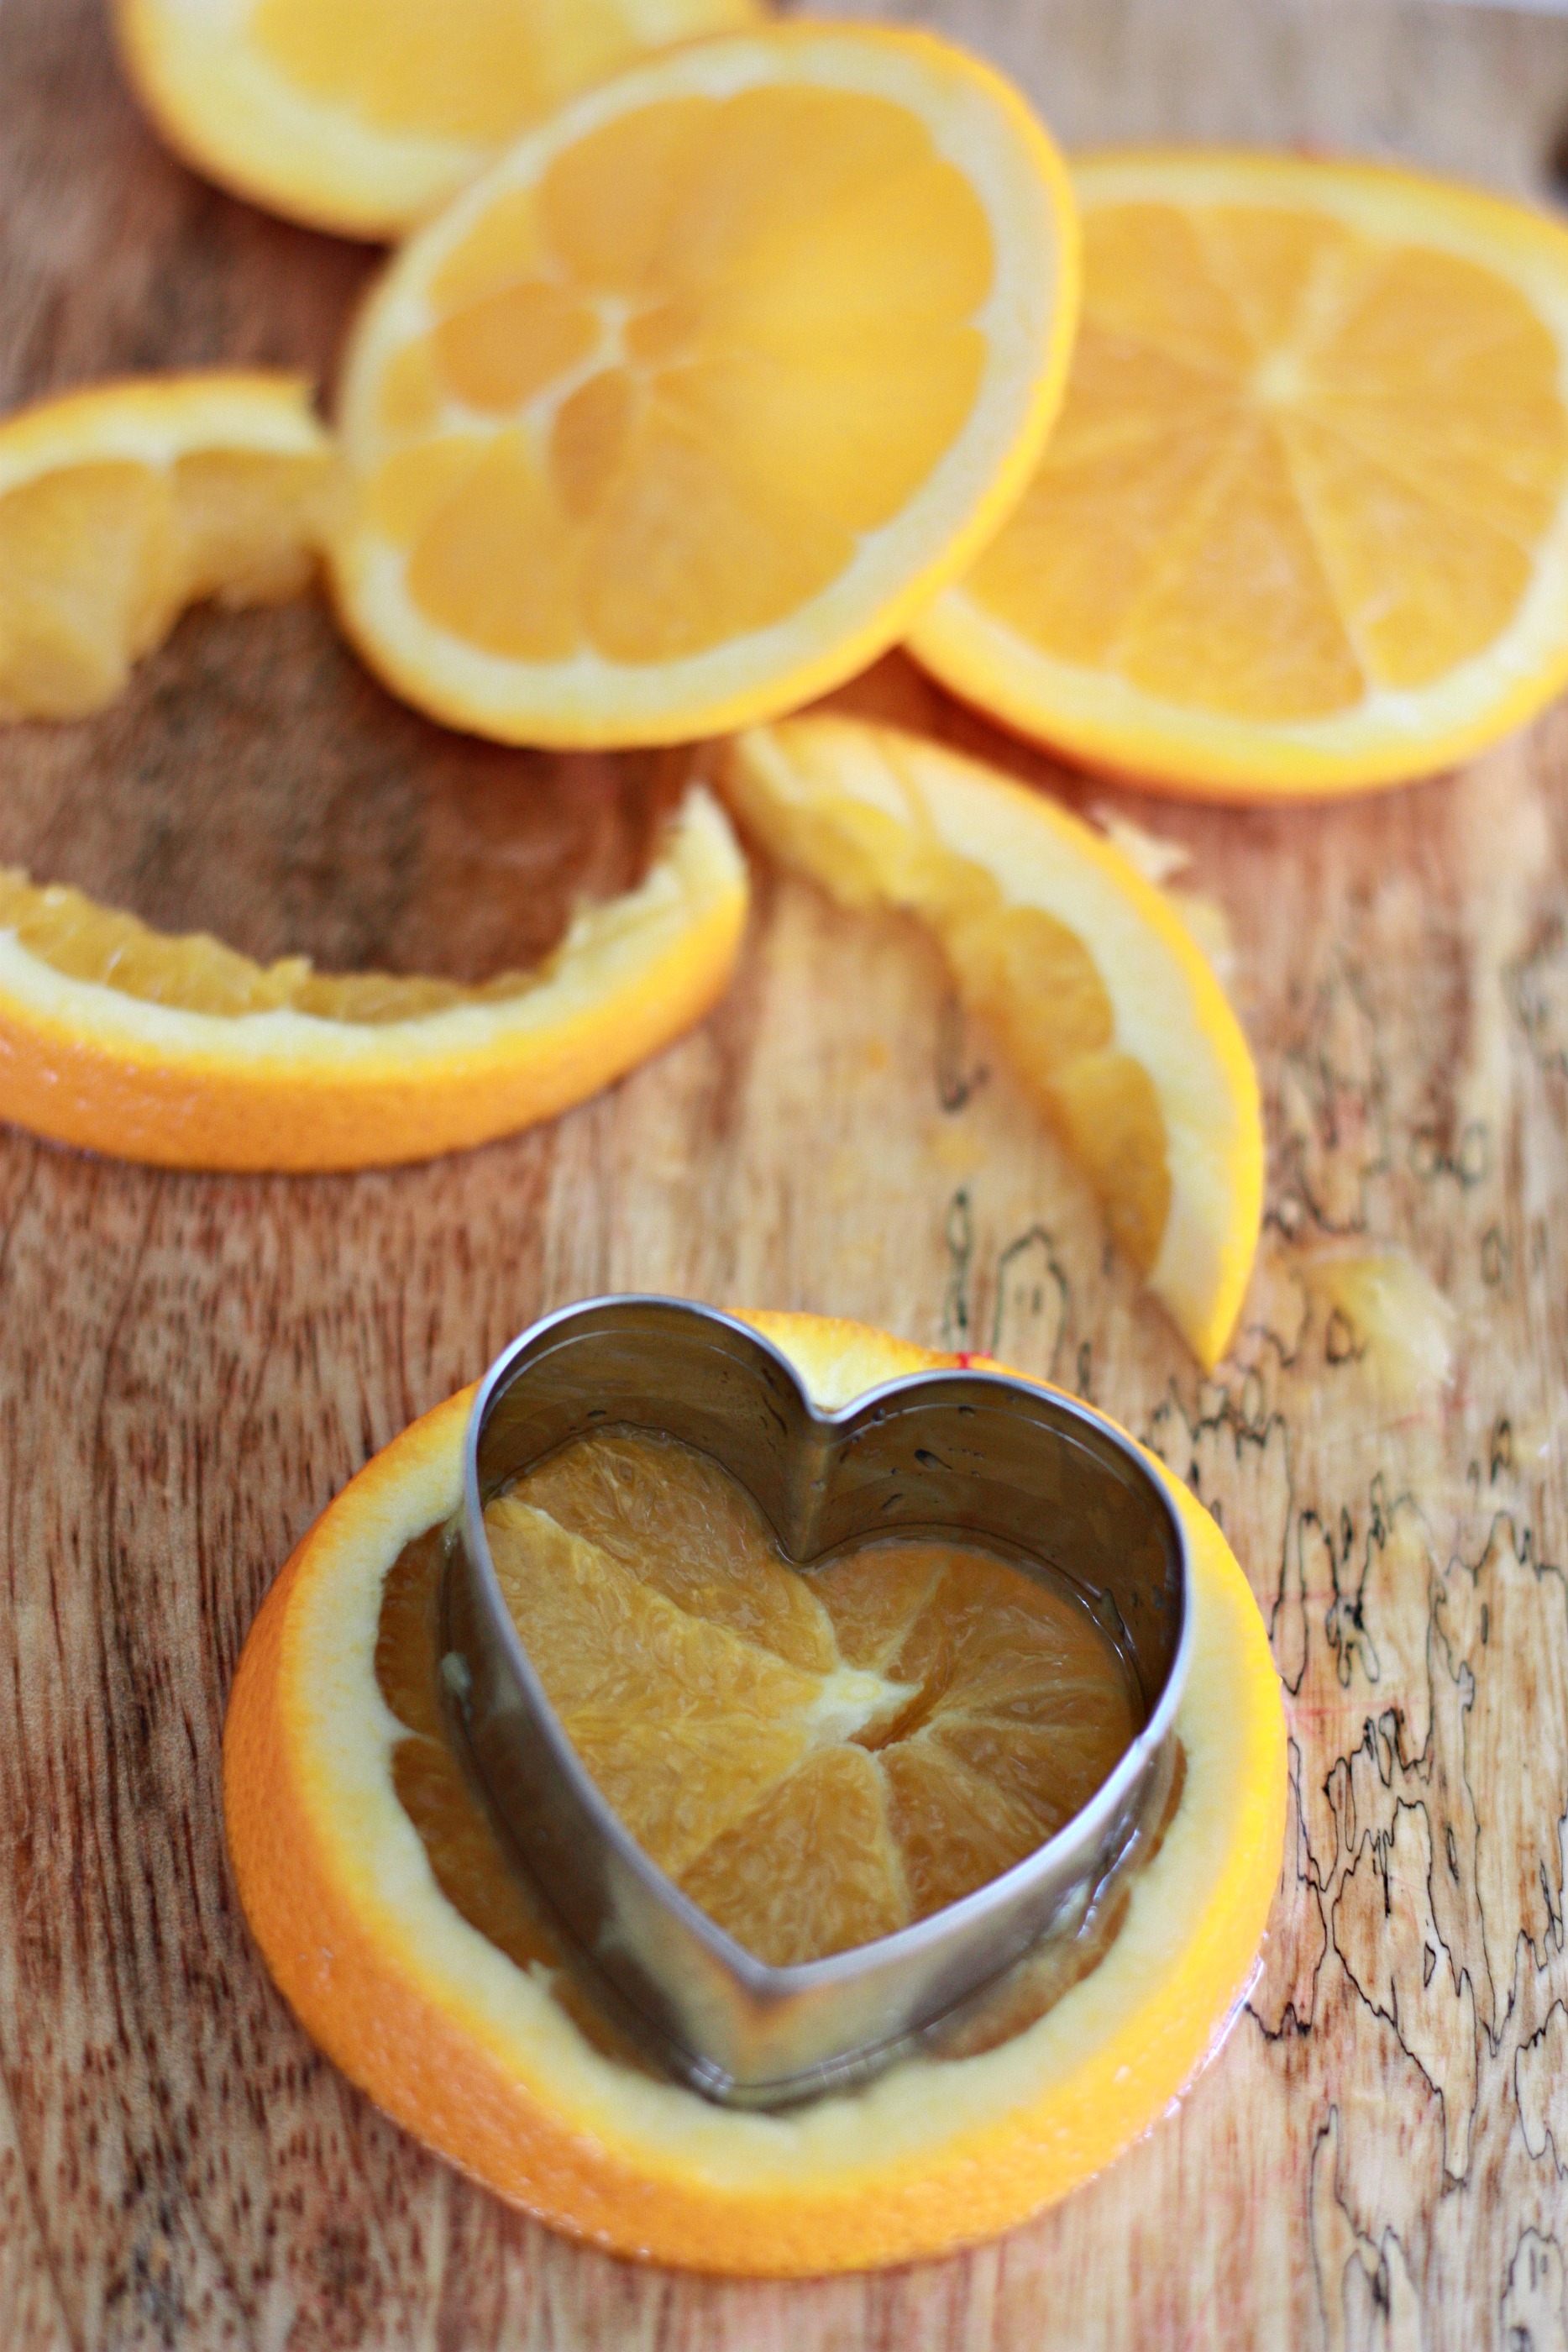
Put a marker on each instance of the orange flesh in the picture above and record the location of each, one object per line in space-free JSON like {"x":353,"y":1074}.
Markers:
{"x":1027,"y":975}
{"x":194,"y":971}
{"x":1036,"y":985}
{"x":817,"y":1759}
{"x":1295,"y":464}
{"x":721,"y":340}
{"x":406,"y":67}
{"x":96,"y":560}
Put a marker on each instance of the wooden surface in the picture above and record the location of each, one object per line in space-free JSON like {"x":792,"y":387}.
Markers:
{"x":189,"y":1368}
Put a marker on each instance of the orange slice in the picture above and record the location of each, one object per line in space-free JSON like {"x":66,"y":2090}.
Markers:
{"x":1303,"y":526}
{"x":180,"y":1052}
{"x":121,"y":504}
{"x":364,"y":116}
{"x":466,"y":2035}
{"x":1096,"y":988}
{"x":685,"y":410}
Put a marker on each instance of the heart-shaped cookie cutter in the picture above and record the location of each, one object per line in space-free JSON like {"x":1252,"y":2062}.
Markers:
{"x":1022,"y":1470}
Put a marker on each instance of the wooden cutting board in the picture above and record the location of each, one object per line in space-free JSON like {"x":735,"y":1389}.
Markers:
{"x":189,"y":1368}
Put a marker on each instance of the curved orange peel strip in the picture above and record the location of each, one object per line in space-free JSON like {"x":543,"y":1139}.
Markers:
{"x":1099,"y":991}
{"x":302,"y":1083}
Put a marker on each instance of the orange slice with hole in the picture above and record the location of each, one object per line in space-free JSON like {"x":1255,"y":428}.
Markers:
{"x":384,"y":1911}
{"x":1302,"y":527}
{"x":182,"y":1052}
{"x":685,"y":410}
{"x":364,"y":116}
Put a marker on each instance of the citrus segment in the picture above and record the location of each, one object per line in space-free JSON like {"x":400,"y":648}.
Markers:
{"x":365,"y":115}
{"x":1093,"y":982}
{"x":810,"y":1870}
{"x":698,"y":1539}
{"x":1303,"y":525}
{"x":681,"y":413}
{"x":120,"y":505}
{"x":779,"y":1794}
{"x":182,"y":1052}
{"x":446,"y":2007}
{"x":430,"y":1782}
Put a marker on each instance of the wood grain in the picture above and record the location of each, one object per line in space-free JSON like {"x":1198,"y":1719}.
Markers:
{"x":189,"y":1368}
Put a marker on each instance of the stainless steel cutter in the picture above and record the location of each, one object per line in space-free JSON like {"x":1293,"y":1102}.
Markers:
{"x":1020,"y":1470}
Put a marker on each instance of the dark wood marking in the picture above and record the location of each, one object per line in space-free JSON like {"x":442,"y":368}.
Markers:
{"x":958,"y":1073}
{"x":956,"y":1319}
{"x":1033,"y":1303}
{"x":1534,"y":2304}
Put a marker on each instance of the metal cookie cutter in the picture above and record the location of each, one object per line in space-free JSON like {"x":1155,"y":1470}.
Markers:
{"x":1033,"y":1475}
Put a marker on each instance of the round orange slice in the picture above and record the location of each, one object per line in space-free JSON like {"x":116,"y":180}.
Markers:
{"x":123,"y":503}
{"x":1095,"y":987}
{"x":682,"y":412}
{"x":1302,"y":527}
{"x":413,"y":1959}
{"x":364,"y":116}
{"x":180,"y":1052}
